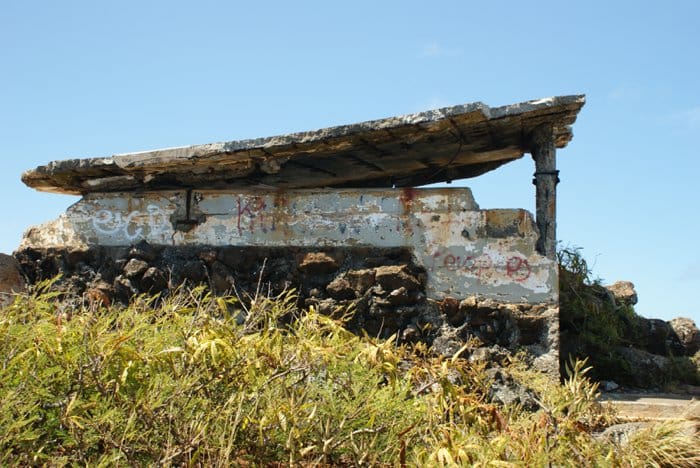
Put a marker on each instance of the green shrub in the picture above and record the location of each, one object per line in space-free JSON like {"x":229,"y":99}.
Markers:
{"x":595,"y":327}
{"x":201,"y":380}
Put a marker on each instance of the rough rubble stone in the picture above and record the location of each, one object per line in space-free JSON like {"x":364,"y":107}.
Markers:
{"x":194,"y":271}
{"x":340,"y":289}
{"x":318,"y":263}
{"x":645,"y":368}
{"x":624,"y":292}
{"x":100,"y":293}
{"x":490,"y":355}
{"x":687,"y":334}
{"x":505,"y":390}
{"x":654,"y":335}
{"x":208,"y":256}
{"x":399,"y":297}
{"x":621,"y":433}
{"x":386,"y":300}
{"x":532,"y":328}
{"x":124,"y":288}
{"x":11,"y":279}
{"x":410,"y":334}
{"x":446,"y":343}
{"x":361,"y":280}
{"x":143,"y":251}
{"x":134,"y":268}
{"x":450,"y":308}
{"x":392,"y":277}
{"x":221,"y":279}
{"x":468,"y":305}
{"x":98,"y":297}
{"x":103,"y":286}
{"x":153,"y":280}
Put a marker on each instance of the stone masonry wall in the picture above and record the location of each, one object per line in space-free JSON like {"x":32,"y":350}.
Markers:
{"x":425,"y":264}
{"x":384,"y":288}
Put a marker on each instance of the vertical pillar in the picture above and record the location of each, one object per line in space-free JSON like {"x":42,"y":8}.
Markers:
{"x":546,"y":178}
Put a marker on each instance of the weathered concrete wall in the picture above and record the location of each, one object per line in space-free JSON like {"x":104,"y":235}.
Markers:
{"x":464,"y":250}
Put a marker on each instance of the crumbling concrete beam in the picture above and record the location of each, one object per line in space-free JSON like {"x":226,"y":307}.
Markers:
{"x":403,"y":151}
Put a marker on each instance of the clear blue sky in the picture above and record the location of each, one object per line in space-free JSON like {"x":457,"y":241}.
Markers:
{"x":82,"y":79}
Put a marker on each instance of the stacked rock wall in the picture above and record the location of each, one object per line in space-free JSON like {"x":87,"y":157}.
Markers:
{"x":425,"y":264}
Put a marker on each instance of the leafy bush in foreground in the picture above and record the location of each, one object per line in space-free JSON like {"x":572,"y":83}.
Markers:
{"x":196,"y":380}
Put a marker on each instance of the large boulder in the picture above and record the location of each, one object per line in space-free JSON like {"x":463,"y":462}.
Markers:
{"x":11,"y":279}
{"x":644,"y":369}
{"x":505,"y":390}
{"x":653,"y":335}
{"x":624,"y":292}
{"x":687,"y":334}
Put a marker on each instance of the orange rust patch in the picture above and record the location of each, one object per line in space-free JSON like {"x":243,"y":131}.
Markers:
{"x":518,"y":221}
{"x":406,"y":198}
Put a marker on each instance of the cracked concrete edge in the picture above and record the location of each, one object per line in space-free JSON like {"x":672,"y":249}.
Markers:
{"x":35,"y":178}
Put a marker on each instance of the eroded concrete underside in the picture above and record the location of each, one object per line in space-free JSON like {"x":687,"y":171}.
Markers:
{"x":439,"y":145}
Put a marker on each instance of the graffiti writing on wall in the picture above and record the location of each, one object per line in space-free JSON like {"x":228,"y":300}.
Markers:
{"x":251,"y":215}
{"x":482,"y":265}
{"x":109,"y":223}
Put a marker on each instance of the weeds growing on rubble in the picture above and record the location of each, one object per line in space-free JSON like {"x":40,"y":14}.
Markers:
{"x":596,"y":326}
{"x":201,"y":380}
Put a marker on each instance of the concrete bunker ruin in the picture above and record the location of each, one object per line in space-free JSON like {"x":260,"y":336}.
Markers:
{"x":333,"y":213}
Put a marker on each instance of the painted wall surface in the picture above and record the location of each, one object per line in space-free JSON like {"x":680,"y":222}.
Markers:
{"x":465,"y":250}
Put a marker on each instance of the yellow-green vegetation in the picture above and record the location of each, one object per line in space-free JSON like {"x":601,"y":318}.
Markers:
{"x":199,"y":380}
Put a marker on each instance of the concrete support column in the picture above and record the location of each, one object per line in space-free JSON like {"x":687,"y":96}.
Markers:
{"x":546,"y":178}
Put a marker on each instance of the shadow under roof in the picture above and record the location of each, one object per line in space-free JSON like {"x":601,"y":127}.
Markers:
{"x":434,"y":146}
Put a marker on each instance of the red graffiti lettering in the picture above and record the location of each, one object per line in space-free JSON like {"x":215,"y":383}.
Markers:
{"x":476,"y":265}
{"x":248,"y":212}
{"x":450,"y":261}
{"x":518,"y":269}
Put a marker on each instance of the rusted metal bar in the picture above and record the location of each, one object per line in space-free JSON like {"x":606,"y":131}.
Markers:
{"x":546,"y":178}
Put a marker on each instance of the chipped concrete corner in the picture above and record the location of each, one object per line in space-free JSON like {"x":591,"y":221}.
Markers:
{"x":465,"y":251}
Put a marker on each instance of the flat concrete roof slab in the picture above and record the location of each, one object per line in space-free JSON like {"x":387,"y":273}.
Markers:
{"x":434,"y":146}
